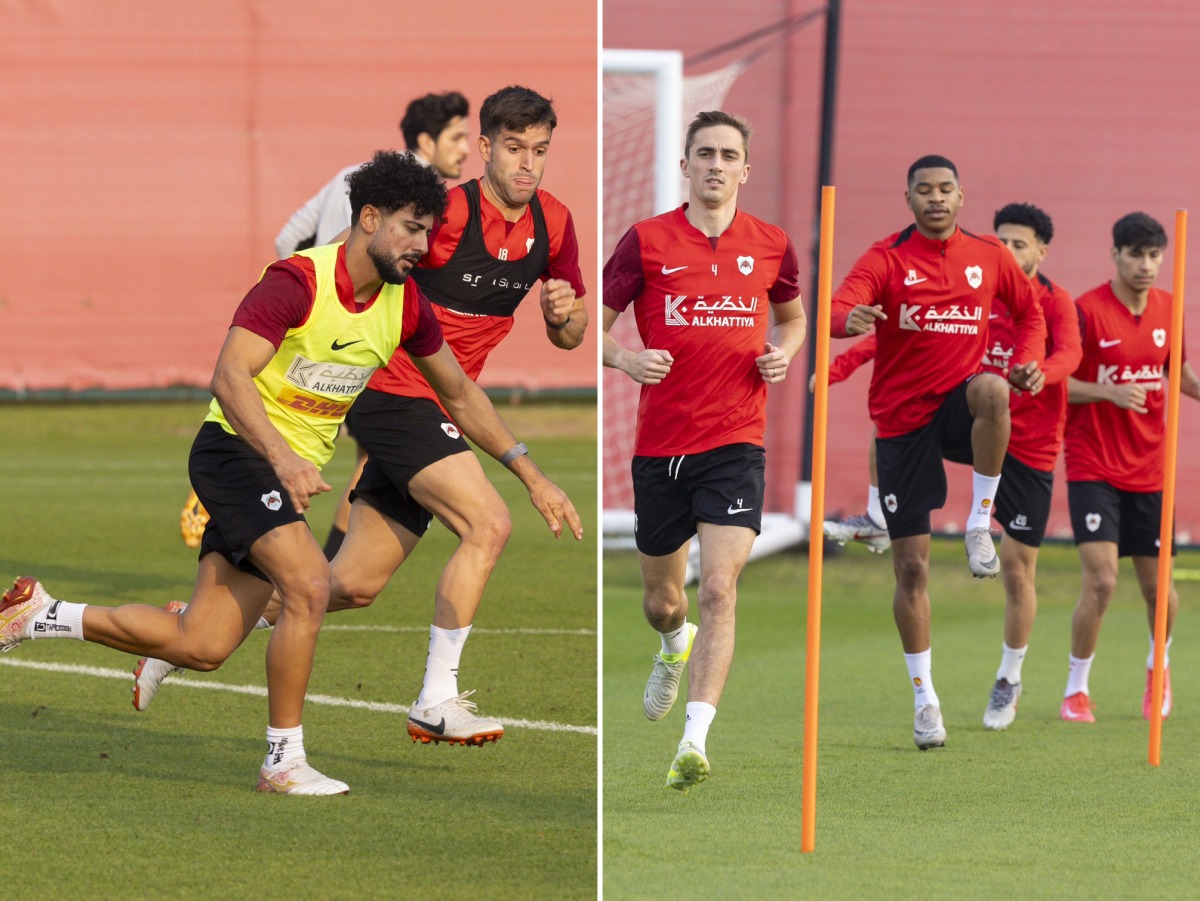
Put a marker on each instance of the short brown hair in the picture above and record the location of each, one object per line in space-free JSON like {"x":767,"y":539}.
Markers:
{"x":717,"y":117}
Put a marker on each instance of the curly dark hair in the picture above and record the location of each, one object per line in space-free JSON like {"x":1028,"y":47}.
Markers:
{"x":515,"y":108}
{"x":430,"y":115}
{"x":1028,"y":215}
{"x":394,"y":180}
{"x":1138,"y":231}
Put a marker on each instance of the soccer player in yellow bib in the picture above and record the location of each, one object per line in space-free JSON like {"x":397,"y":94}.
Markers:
{"x":302,"y":345}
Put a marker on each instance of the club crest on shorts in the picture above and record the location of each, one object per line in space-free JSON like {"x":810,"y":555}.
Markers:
{"x":1160,"y":337}
{"x":890,"y":503}
{"x":1092,"y":521}
{"x":746,"y":265}
{"x":974,"y":276}
{"x":450,"y":429}
{"x":272,"y":501}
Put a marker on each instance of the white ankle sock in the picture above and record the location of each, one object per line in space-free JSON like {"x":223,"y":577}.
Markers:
{"x":441,"y":665}
{"x":675,"y":641}
{"x":920,"y":672}
{"x":262,"y":623}
{"x":1166,"y":654}
{"x":59,"y":620}
{"x":1010,"y":663}
{"x":695,"y":726}
{"x":283,"y":746}
{"x":1077,"y":677}
{"x":983,"y":493}
{"x":874,"y":509}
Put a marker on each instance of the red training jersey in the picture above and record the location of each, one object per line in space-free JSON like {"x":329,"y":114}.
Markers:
{"x":937,"y":296}
{"x":1104,"y":442}
{"x":1038,"y":419}
{"x":705,"y":300}
{"x":847,"y":362}
{"x":470,"y":335}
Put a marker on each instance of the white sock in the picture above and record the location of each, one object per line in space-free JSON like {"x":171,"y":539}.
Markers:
{"x":59,"y":620}
{"x":874,"y":510}
{"x":1077,"y":677}
{"x":920,"y":672}
{"x":983,"y":493}
{"x":441,"y":665}
{"x":1010,"y":664}
{"x":695,"y":726}
{"x":284,"y":746}
{"x":1166,"y":654}
{"x":262,"y":623}
{"x":675,"y":641}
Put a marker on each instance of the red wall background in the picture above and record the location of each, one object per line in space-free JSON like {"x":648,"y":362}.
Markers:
{"x":1087,"y":108}
{"x":153,"y":148}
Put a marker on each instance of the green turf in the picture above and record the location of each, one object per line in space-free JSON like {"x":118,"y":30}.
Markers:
{"x":99,"y":801}
{"x":1044,"y":810}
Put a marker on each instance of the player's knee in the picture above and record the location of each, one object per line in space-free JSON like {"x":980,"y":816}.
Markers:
{"x":490,"y":531}
{"x":912,"y":572}
{"x":660,"y":605}
{"x":989,"y":396}
{"x":345,"y":594}
{"x":1100,"y":586}
{"x":717,"y":595}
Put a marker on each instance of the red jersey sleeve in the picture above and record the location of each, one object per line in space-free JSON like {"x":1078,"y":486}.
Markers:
{"x":281,"y":300}
{"x":564,"y":258}
{"x":623,"y":276}
{"x":1062,"y":326}
{"x":787,"y":282}
{"x":424,"y":339}
{"x":845,"y":364}
{"x":1016,"y":292}
{"x":863,"y":284}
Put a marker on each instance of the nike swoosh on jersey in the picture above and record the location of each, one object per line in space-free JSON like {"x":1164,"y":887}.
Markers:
{"x":914,"y":281}
{"x":667,"y":271}
{"x":1113,"y":343}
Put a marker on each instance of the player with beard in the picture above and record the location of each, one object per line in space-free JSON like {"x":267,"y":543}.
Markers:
{"x":302,"y":345}
{"x":502,"y":234}
{"x":927,"y":292}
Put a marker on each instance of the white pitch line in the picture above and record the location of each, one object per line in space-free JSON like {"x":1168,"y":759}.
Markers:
{"x":260,"y":691}
{"x":474,"y":631}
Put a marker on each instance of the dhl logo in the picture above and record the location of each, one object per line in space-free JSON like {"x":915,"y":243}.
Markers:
{"x":313,"y":406}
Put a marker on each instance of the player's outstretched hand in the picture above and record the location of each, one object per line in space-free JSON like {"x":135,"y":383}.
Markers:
{"x":557,"y":299}
{"x":648,"y":367}
{"x":556,"y":508}
{"x":862,"y":319}
{"x":301,"y":479}
{"x":1130,"y":396}
{"x":773,"y":365}
{"x":1027,"y":377}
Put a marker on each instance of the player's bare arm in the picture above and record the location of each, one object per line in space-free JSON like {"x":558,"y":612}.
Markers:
{"x":472,"y":412}
{"x":1189,"y":384}
{"x":646,"y":367}
{"x":862,"y":319}
{"x":565,"y":315}
{"x":1126,"y":395}
{"x":243,"y":356}
{"x":787,"y":337}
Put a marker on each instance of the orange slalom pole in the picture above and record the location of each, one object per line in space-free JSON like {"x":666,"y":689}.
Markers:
{"x":816,"y":546}
{"x":1167,"y":526}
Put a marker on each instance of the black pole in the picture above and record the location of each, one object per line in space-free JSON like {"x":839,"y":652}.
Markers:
{"x":833,"y":15}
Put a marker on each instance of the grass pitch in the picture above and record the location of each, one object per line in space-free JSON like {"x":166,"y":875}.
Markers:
{"x":1045,"y":809}
{"x":99,"y":801}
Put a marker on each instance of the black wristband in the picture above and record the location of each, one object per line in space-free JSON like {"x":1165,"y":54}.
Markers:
{"x":558,"y":328}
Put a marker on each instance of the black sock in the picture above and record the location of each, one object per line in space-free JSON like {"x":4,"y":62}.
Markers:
{"x":333,"y":542}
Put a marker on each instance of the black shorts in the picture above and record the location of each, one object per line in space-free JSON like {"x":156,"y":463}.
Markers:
{"x":244,"y":498}
{"x":402,"y":436}
{"x":1023,"y":501}
{"x":1100,"y":512}
{"x":724,"y":486}
{"x":912,"y":477}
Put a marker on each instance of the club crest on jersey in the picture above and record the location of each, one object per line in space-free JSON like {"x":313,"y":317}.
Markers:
{"x":745,"y":265}
{"x":272,"y":501}
{"x":450,"y":429}
{"x":890,"y":503}
{"x":974,"y":276}
{"x":1160,"y":336}
{"x":1092,"y":521}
